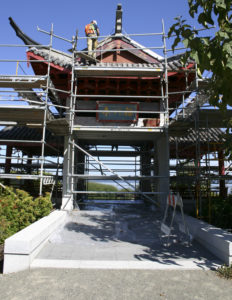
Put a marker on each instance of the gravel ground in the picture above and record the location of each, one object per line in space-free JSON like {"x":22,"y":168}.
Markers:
{"x":114,"y":284}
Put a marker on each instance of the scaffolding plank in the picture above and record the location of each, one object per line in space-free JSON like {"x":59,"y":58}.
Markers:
{"x":119,"y":134}
{"x":24,"y":114}
{"x":22,"y":81}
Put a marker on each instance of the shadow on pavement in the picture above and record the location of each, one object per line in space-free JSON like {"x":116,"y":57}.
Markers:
{"x":127,"y":226}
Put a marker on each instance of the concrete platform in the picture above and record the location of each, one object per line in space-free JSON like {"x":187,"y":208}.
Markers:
{"x":119,"y":237}
{"x":21,"y":248}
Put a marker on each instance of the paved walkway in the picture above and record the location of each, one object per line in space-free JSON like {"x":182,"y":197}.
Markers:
{"x":123,"y":237}
{"x":41,"y":284}
{"x":127,"y":238}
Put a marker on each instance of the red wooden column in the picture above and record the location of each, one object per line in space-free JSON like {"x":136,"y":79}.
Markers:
{"x":8,"y":160}
{"x":221,"y":166}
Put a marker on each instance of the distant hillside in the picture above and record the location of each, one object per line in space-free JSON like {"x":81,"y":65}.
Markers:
{"x":94,"y":186}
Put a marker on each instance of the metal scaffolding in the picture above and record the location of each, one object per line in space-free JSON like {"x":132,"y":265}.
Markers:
{"x":33,"y":92}
{"x":44,"y":110}
{"x":195,"y":177}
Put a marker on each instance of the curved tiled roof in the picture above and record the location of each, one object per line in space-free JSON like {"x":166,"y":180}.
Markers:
{"x":57,"y":57}
{"x":65,"y":60}
{"x":205,"y":135}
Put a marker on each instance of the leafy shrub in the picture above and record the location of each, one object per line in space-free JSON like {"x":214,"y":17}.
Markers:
{"x":220,"y":210}
{"x":4,"y":229}
{"x":18,"y":210}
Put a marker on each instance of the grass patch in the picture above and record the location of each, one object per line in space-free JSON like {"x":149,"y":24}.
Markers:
{"x":225,"y":271}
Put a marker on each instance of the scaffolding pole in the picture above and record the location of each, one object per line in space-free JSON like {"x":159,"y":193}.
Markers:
{"x":45,"y":115}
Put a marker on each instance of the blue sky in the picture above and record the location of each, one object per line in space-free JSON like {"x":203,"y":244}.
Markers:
{"x":67,"y":16}
{"x":138,"y":16}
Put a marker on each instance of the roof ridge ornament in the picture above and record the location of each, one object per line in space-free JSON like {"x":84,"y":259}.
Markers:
{"x":118,"y":21}
{"x":25,"y":38}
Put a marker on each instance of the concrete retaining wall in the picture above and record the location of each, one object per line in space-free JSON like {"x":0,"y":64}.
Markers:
{"x":216,"y":240}
{"x":21,"y":248}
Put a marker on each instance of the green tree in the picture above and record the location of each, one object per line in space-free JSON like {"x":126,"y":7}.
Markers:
{"x":211,"y":52}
